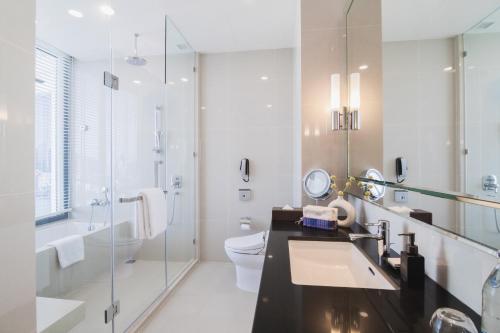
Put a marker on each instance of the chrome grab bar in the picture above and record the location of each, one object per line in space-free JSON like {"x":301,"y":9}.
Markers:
{"x":131,"y":199}
{"x":134,"y":199}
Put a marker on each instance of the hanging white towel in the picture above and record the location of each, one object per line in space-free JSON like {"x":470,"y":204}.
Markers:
{"x":151,"y":213}
{"x":70,"y":250}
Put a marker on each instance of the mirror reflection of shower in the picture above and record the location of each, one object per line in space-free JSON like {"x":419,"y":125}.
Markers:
{"x":490,"y":186}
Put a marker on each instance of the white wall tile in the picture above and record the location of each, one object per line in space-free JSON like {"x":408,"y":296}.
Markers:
{"x":17,"y":227}
{"x":17,"y":25}
{"x":236,"y":122}
{"x":16,"y":115}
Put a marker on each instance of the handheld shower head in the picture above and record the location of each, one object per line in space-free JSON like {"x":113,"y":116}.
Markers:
{"x":135,"y":60}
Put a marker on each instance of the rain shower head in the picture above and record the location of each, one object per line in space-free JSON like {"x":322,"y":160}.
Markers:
{"x":135,"y":60}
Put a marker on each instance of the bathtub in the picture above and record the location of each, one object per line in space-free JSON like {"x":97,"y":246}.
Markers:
{"x":54,"y":281}
{"x":49,"y":233}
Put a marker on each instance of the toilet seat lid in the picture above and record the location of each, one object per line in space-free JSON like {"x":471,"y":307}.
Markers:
{"x":247,"y":243}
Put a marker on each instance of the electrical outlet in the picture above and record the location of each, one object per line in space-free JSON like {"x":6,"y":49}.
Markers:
{"x":245,"y":194}
{"x":401,"y":196}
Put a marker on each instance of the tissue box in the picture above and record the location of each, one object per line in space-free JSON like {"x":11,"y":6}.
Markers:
{"x":319,"y":224}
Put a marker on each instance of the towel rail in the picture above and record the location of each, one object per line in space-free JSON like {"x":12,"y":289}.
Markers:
{"x":131,"y":199}
{"x":134,"y":199}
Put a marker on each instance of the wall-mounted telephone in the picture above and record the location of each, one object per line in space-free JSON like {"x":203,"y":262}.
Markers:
{"x":245,"y":169}
{"x":401,"y":169}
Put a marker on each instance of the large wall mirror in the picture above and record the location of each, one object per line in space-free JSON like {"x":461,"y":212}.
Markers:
{"x":424,"y":77}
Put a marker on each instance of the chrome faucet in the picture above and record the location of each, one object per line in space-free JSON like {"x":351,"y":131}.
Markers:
{"x":383,"y":234}
{"x":98,"y":203}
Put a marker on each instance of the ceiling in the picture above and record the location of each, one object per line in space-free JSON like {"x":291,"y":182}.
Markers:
{"x":431,"y":19}
{"x":209,"y":25}
{"x":228,"y":25}
{"x":235,"y":25}
{"x":489,"y":24}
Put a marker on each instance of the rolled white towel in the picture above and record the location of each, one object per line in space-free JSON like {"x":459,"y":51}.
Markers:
{"x":320,"y":213}
{"x":403,"y":210}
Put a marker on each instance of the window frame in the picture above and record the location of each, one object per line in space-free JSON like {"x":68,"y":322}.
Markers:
{"x":64,"y":79}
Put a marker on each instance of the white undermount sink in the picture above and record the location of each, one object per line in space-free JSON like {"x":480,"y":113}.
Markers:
{"x":334,"y":264}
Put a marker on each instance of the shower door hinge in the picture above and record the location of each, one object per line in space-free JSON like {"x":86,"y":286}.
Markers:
{"x":194,"y":69}
{"x":111,"y":81}
{"x":464,"y":54}
{"x":466,"y":151}
{"x":194,"y":154}
{"x":111,"y":312}
{"x":194,"y":241}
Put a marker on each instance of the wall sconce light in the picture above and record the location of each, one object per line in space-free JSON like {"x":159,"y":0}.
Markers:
{"x":342,"y":118}
{"x":354,"y":101}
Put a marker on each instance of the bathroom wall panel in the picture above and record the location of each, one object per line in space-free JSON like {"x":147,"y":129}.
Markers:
{"x":323,"y":52}
{"x":243,"y":116}
{"x":17,"y":228}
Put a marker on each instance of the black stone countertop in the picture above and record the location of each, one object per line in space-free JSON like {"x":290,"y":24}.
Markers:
{"x":285,"y":307}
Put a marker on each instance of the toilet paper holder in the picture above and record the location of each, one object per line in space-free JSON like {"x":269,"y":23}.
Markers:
{"x":245,"y":223}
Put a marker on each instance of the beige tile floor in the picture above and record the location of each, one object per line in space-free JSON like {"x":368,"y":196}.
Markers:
{"x":136,"y":285}
{"x":206,"y":301}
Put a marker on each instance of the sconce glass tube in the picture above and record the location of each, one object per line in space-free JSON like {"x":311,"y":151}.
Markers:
{"x":335,"y":102}
{"x":354,"y":101}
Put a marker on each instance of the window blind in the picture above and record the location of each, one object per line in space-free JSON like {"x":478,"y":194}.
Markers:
{"x":53,"y":73}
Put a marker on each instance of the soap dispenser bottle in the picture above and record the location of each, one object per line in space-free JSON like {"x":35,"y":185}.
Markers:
{"x":412,"y":264}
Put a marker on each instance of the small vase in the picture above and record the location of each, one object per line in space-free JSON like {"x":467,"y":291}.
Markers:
{"x":340,"y":202}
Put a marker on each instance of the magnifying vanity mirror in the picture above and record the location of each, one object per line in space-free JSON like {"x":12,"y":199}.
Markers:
{"x":317,"y":184}
{"x":428,"y":96}
{"x":376,"y":191}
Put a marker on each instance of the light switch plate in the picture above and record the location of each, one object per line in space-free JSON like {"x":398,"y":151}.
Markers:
{"x":245,"y":194}
{"x":401,"y":196}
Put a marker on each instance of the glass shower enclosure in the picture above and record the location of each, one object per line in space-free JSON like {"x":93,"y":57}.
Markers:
{"x":116,"y":96}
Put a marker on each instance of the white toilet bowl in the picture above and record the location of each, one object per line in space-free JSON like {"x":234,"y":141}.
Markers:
{"x":247,"y":254}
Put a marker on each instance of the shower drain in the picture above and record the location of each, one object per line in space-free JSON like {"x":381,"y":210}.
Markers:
{"x":130,"y":261}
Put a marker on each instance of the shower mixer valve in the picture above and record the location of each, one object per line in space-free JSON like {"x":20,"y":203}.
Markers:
{"x":490,"y":183}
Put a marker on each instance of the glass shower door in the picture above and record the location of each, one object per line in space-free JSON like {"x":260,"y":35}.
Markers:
{"x":138,"y":155}
{"x":180,"y":148}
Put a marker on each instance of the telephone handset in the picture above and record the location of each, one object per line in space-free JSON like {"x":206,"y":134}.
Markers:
{"x":245,"y":169}
{"x":401,"y":169}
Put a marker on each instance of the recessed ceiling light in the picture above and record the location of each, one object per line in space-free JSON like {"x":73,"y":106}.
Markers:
{"x":264,"y":78}
{"x":107,"y":10}
{"x":137,"y":81}
{"x":363,"y":67}
{"x":447,"y":69}
{"x":203,"y":108}
{"x":183,"y":79}
{"x":269,"y":106}
{"x":75,"y":13}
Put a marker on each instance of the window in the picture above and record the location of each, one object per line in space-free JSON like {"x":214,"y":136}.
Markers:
{"x":53,"y":70}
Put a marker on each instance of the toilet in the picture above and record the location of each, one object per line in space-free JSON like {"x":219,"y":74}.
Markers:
{"x":247,"y":254}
